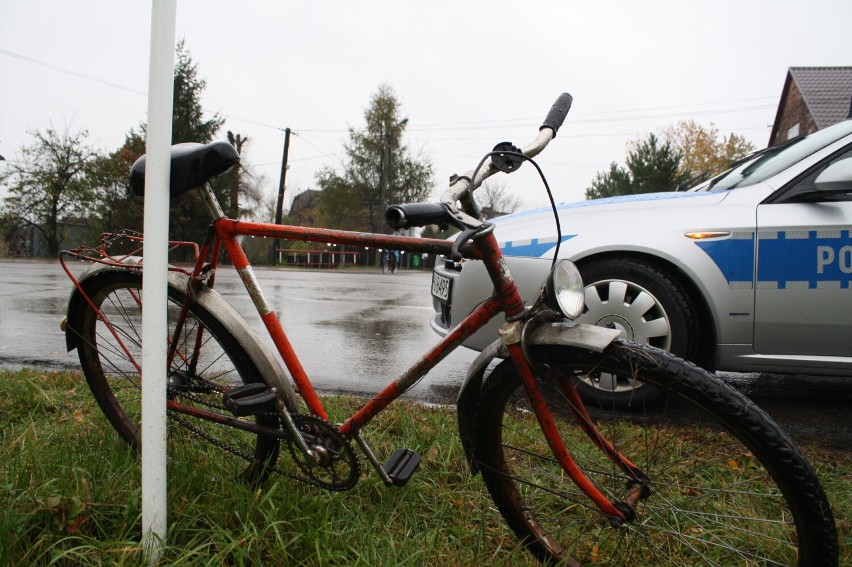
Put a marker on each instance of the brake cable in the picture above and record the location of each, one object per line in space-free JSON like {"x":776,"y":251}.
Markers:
{"x":508,"y":158}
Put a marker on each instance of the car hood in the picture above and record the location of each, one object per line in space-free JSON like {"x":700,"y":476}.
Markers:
{"x":533,"y":232}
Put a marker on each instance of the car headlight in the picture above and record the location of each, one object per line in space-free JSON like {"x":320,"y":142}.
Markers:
{"x":565,"y":289}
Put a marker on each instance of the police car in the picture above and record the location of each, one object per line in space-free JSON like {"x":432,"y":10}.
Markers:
{"x":750,"y":271}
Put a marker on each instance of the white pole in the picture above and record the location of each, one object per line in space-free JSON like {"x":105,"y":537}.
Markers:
{"x":155,"y":252}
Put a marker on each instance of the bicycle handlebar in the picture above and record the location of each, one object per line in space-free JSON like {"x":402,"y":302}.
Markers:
{"x":461,"y":186}
{"x":416,"y":214}
{"x":420,"y":214}
{"x":557,"y":113}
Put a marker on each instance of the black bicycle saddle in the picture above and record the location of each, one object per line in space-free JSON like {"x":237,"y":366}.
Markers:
{"x":192,"y":165}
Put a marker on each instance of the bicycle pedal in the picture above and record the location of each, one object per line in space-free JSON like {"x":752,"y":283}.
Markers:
{"x":401,"y":466}
{"x":250,"y":404}
{"x":245,"y":390}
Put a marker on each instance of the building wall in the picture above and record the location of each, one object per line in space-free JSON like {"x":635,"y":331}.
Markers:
{"x":303,"y":204}
{"x":795,"y":112}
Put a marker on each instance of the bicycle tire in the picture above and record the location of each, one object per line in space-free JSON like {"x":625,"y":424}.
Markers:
{"x":727,"y":486}
{"x":223,"y":362}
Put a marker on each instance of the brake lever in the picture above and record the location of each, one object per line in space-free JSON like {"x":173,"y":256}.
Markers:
{"x":468,"y":234}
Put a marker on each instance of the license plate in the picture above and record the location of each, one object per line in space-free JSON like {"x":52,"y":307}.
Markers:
{"x":440,"y":286}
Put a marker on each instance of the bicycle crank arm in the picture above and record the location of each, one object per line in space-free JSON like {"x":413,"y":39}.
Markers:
{"x":296,"y":435}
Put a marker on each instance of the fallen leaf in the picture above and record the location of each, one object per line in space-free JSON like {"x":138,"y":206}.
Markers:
{"x":75,"y":524}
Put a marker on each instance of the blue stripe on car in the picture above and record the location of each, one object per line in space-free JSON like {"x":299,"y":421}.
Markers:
{"x":532,"y":248}
{"x":733,"y":256}
{"x":806,"y":259}
{"x":792,"y":258}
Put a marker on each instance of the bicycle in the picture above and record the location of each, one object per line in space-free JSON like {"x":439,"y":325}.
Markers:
{"x":390,"y":261}
{"x":704,"y":476}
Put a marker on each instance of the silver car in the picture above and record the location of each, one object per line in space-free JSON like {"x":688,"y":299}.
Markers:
{"x":750,"y":271}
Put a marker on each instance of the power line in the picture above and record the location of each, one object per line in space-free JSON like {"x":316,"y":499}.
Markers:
{"x":278,"y":163}
{"x":574,"y":115}
{"x":113,"y":85}
{"x":520,"y":123}
{"x":255,"y":122}
{"x":73,"y":73}
{"x":462,"y":126}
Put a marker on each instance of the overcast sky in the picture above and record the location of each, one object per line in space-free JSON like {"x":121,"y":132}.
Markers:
{"x":469,"y":74}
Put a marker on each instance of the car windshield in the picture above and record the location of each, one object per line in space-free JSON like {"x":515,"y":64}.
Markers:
{"x":766,"y":163}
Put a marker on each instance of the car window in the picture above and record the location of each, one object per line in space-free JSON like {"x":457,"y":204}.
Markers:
{"x":805,"y":185}
{"x":773,"y":160}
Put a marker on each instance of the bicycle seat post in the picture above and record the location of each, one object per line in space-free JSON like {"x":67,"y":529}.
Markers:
{"x":211,"y":202}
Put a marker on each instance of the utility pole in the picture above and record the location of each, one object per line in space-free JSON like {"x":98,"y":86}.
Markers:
{"x":387,"y":169}
{"x":280,"y":206}
{"x":385,"y":181}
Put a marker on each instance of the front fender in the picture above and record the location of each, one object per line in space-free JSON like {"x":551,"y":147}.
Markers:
{"x":566,"y":334}
{"x":268,"y":366}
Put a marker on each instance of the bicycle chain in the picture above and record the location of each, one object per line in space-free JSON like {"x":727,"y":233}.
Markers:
{"x":308,"y":480}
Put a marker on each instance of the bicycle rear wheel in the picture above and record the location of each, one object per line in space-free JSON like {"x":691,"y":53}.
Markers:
{"x":726,"y":485}
{"x":222,"y":363}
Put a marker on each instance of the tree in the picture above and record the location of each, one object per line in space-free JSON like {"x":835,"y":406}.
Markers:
{"x":342,"y":203}
{"x":188,"y":123}
{"x":652,"y":166}
{"x":188,"y":216}
{"x":703,"y":152}
{"x":495,"y":198}
{"x":49,"y":183}
{"x":697,"y":150}
{"x":116,"y":206}
{"x":244,"y":187}
{"x":378,"y":170}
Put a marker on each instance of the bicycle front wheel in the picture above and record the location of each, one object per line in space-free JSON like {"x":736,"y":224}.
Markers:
{"x":208,"y":362}
{"x":725,"y":486}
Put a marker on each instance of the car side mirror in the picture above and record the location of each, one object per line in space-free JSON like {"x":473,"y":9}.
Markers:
{"x":836,"y":178}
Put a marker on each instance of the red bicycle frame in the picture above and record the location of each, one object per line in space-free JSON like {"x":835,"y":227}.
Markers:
{"x":505,"y":299}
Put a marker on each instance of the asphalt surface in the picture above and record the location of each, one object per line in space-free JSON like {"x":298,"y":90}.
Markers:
{"x":355,"y":331}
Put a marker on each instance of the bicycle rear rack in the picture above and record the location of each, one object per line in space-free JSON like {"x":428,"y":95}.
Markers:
{"x":123,"y":249}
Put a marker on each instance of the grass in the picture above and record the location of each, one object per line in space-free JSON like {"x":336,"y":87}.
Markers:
{"x":70,"y":495}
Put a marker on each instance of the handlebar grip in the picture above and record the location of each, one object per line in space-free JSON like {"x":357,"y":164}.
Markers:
{"x":417,"y":214}
{"x":557,"y":113}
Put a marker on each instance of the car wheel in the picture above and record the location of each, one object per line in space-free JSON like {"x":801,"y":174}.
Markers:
{"x":648,"y":306}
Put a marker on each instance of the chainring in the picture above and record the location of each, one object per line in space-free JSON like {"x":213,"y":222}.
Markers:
{"x":338,"y":467}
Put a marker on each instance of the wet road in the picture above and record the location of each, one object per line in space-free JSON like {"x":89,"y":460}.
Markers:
{"x":353,"y":331}
{"x":356,"y":331}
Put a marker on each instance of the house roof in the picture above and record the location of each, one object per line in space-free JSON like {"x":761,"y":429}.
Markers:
{"x":827,"y":91}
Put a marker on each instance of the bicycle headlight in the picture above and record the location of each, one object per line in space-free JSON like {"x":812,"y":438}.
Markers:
{"x":565,"y":289}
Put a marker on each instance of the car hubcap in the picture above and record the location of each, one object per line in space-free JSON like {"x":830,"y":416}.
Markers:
{"x":634,"y":311}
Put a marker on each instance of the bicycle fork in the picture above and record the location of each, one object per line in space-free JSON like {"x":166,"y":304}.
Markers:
{"x":618,"y":512}
{"x":511,"y":336}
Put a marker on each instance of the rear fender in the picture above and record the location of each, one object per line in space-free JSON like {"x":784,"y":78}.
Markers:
{"x":269,"y":366}
{"x":566,"y":334}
